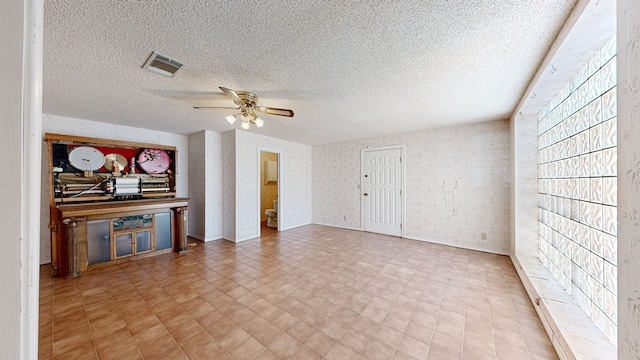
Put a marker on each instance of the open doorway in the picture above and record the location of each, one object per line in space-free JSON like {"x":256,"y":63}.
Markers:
{"x":268,"y":186}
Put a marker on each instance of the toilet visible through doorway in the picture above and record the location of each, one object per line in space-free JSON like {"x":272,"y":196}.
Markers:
{"x":272,"y":215}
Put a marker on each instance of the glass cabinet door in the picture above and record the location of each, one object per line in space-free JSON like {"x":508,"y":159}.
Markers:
{"x":137,"y":234}
{"x":143,"y":241}
{"x":124,"y":244}
{"x":163,"y":231}
{"x":98,"y":241}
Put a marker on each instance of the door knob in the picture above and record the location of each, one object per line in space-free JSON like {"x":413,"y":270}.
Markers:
{"x":366,"y":194}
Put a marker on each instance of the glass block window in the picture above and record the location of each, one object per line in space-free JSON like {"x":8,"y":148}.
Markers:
{"x":577,"y":186}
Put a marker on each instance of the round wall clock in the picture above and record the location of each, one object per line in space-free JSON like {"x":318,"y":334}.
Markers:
{"x":154,"y":161}
{"x":86,"y":158}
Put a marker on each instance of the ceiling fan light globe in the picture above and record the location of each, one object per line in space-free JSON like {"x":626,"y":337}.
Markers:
{"x":245,"y":125}
{"x":231,"y":119}
{"x":245,"y":117}
{"x":259,"y":122}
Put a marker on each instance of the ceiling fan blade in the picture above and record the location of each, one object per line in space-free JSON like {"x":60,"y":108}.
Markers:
{"x":230,"y":93}
{"x":274,"y":111}
{"x":216,"y":107}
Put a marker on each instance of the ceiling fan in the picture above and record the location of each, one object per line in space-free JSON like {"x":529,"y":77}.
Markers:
{"x":246,"y":104}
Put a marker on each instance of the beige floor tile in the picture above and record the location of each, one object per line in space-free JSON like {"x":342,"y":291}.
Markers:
{"x":106,"y":324}
{"x":197,"y":307}
{"x":211,"y":350}
{"x":306,"y":293}
{"x":268,"y":355}
{"x":284,"y":346}
{"x":174,"y":353}
{"x":248,"y":349}
{"x":355,"y":340}
{"x":320,"y":343}
{"x":71,"y":343}
{"x":182,"y":327}
{"x":150,"y":334}
{"x":335,"y":328}
{"x":439,"y":351}
{"x":197,"y":342}
{"x":305,"y":353}
{"x":301,"y":331}
{"x":151,"y":348}
{"x":63,"y":329}
{"x":365,"y":326}
{"x":114,"y":344}
{"x":414,"y":348}
{"x":340,"y":351}
{"x":86,"y":351}
{"x":475,"y":354}
{"x":377,"y":350}
{"x":233,"y":338}
{"x":388,"y":336}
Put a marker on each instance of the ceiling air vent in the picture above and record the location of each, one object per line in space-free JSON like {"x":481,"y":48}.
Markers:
{"x":162,"y":65}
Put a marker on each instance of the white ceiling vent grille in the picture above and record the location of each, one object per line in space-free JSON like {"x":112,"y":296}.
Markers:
{"x":162,"y":65}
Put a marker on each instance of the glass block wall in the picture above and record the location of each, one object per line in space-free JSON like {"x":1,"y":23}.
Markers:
{"x":577,"y":186}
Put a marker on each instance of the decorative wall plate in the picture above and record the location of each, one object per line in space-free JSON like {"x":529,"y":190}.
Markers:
{"x":154,"y":161}
{"x":110,"y":158}
{"x":86,"y":158}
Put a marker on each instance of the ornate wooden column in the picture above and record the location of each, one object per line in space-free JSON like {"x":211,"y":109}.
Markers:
{"x":73,"y":246}
{"x":181,"y":229}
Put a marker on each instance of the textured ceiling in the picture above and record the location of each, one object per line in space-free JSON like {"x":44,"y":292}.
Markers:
{"x":349,"y":69}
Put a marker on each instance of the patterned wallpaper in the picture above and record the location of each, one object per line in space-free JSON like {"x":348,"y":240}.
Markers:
{"x":578,"y":188}
{"x":628,"y":179}
{"x":229,"y":185}
{"x":197,"y":175}
{"x":205,"y":183}
{"x":457,"y":184}
{"x":213,"y":176}
{"x":294,"y":205}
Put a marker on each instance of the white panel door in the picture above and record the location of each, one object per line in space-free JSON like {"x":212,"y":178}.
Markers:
{"x":382,"y":191}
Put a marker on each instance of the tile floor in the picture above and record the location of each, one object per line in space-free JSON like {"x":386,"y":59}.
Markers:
{"x":313,"y":292}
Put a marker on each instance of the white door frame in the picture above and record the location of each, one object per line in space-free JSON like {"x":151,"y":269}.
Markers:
{"x":259,"y":198}
{"x":402,"y":181}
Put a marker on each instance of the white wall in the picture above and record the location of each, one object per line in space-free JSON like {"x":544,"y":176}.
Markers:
{"x":11,"y":182}
{"x":628,"y":179}
{"x":457,"y":184}
{"x":197,"y":185}
{"x":524,"y":129}
{"x":294,"y":203}
{"x":21,"y":111}
{"x":229,"y":185}
{"x":205,"y":185}
{"x":79,"y":127}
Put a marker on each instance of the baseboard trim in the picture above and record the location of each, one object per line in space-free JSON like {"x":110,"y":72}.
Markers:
{"x":460,"y":246}
{"x":254,"y":236}
{"x":294,"y":227}
{"x":336,"y":226}
{"x":433,"y":241}
{"x":201,"y":238}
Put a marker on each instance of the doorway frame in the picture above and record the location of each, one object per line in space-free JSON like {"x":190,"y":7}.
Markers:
{"x":259,"y":194}
{"x":403,"y":158}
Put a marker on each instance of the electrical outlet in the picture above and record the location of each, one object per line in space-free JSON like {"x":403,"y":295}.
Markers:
{"x":345,"y":218}
{"x":483,"y":236}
